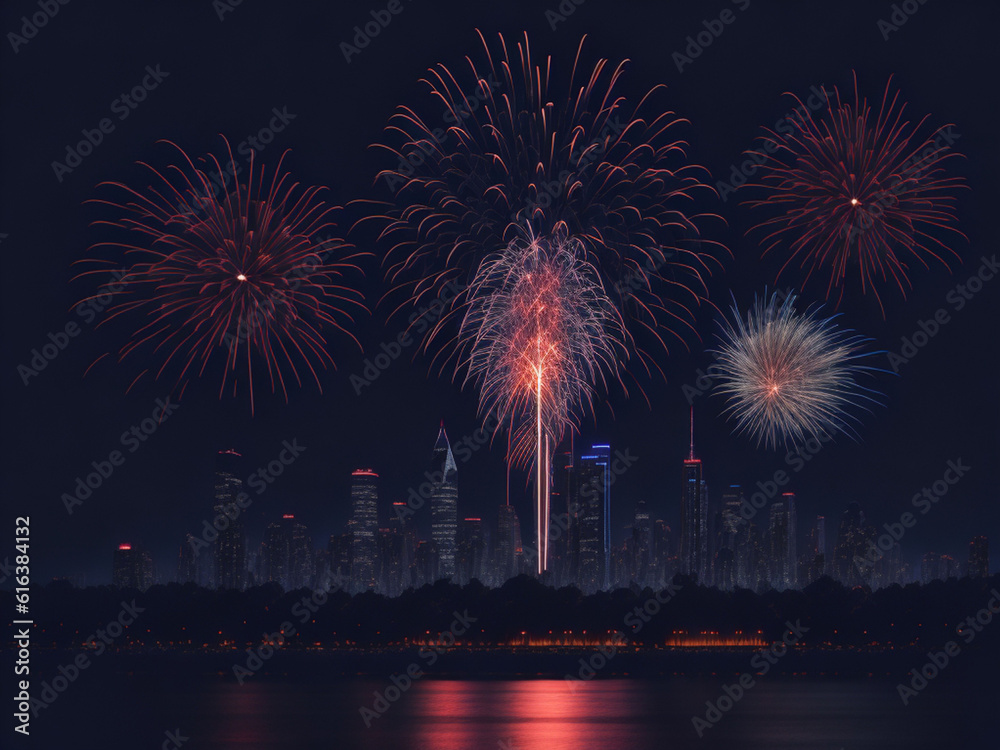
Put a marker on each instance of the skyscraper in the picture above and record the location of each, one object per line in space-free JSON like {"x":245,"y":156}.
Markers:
{"x":777,"y":540}
{"x":930,"y":567}
{"x":471,"y":550}
{"x":563,"y":547}
{"x":444,"y":504}
{"x":287,"y":553}
{"x":979,"y":557}
{"x":187,"y":562}
{"x":132,"y":567}
{"x":364,"y":517}
{"x":790,"y":569}
{"x":817,"y":551}
{"x":339,"y":552}
{"x":390,"y":562}
{"x":594,"y":501}
{"x":402,"y":523}
{"x":642,"y":544}
{"x":663,"y":559}
{"x":735,"y":538}
{"x":508,"y":544}
{"x":230,"y":547}
{"x":852,"y":548}
{"x":694,"y":516}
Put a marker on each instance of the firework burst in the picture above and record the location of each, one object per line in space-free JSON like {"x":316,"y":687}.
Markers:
{"x":789,"y":376}
{"x":242,"y":272}
{"x":857,"y":193}
{"x":538,"y":333}
{"x":507,"y":152}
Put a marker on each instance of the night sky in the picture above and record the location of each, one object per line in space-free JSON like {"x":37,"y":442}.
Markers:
{"x":226,"y":76}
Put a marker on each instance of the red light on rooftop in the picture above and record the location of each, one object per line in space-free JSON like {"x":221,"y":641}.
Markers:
{"x":288,"y":515}
{"x":124,"y":546}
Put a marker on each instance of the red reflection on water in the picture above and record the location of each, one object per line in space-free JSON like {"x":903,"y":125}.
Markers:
{"x":525,"y":714}
{"x":242,"y":714}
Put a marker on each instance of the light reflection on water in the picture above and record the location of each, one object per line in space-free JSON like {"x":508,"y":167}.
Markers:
{"x":532,"y":714}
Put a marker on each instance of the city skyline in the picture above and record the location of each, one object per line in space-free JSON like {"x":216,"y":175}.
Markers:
{"x":729,"y":543}
{"x":512,"y":376}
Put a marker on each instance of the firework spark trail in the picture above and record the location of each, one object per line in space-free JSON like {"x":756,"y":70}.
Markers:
{"x":582,"y":163}
{"x":789,"y":376}
{"x":248,"y":271}
{"x":857,"y":188}
{"x":538,"y":334}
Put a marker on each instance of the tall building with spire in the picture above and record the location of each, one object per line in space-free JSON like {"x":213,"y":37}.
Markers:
{"x":364,"y":527}
{"x":694,"y":515}
{"x":444,"y":503}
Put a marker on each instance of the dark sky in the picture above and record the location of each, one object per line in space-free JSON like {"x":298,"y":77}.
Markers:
{"x":226,"y":76}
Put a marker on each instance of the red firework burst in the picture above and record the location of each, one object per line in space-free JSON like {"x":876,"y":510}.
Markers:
{"x":857,"y":190}
{"x":245,"y":272}
{"x":502,"y":149}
